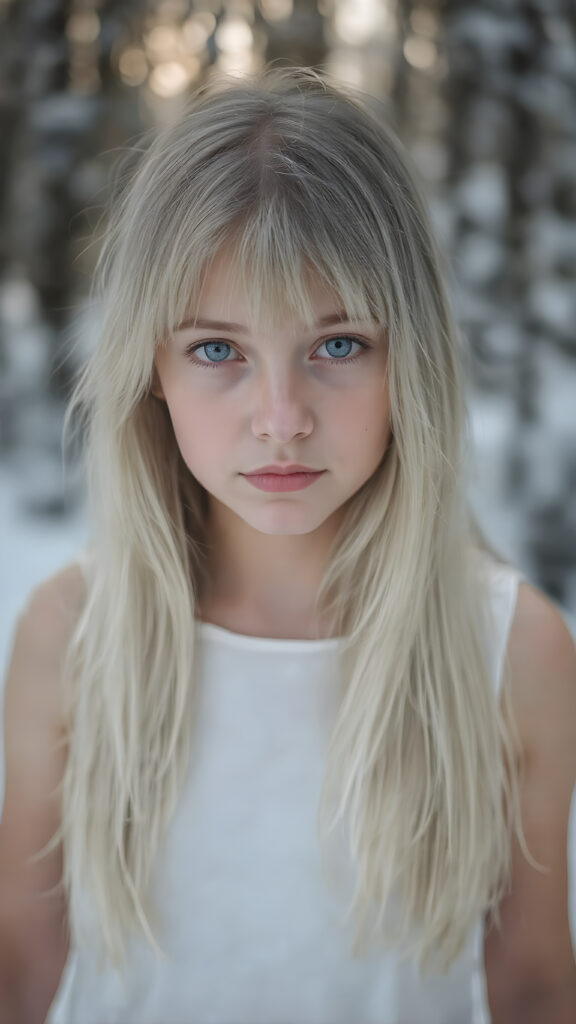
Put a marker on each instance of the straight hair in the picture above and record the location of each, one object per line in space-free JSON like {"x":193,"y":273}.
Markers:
{"x":421,"y":767}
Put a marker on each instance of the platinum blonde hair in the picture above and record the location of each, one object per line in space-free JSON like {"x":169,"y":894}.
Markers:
{"x":302,"y":178}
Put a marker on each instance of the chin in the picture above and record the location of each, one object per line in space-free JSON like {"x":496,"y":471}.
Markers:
{"x":286,"y":525}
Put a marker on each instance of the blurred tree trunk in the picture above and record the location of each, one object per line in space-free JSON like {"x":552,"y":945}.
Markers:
{"x":299,"y":39}
{"x":56,"y":86}
{"x":511,"y":96}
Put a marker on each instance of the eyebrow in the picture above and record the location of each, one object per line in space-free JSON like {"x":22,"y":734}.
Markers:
{"x":203,"y":323}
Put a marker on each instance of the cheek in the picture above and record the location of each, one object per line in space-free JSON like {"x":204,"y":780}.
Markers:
{"x":201,"y":434}
{"x":366,"y":417}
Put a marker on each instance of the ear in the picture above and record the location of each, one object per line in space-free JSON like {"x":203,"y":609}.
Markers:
{"x":156,"y":387}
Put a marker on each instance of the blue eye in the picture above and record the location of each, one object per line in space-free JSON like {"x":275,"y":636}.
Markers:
{"x":217,"y":351}
{"x":340,"y":345}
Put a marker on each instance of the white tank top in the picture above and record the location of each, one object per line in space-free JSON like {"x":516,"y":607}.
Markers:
{"x":251,"y":929}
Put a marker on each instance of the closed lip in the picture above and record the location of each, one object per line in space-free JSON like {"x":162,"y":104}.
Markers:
{"x":283,"y":470}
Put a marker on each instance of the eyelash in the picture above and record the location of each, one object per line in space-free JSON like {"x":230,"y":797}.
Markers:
{"x":225,"y":362}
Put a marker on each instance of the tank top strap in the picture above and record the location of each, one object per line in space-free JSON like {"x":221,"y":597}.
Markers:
{"x":502,"y":582}
{"x":85,"y":559}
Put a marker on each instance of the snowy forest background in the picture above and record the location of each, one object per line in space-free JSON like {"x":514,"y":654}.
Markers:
{"x":482,"y":93}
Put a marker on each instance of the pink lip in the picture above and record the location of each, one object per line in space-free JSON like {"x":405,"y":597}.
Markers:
{"x":282,"y":481}
{"x":283,"y":469}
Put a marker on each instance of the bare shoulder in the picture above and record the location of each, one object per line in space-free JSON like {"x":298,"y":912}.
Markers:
{"x":532,"y":949}
{"x":542,"y":660}
{"x":44,"y":629}
{"x":35,"y":759}
{"x":539,"y":626}
{"x":53,"y":606}
{"x":42,"y":634}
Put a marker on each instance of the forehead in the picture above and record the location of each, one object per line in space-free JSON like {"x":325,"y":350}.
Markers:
{"x":232,"y":291}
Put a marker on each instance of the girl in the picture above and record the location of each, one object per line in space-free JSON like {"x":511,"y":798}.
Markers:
{"x":290,"y":743}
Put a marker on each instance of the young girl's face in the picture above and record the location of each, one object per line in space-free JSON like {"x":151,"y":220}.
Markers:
{"x":242,"y":398}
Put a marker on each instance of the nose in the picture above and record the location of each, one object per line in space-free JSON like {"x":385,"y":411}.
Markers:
{"x":282,"y":409}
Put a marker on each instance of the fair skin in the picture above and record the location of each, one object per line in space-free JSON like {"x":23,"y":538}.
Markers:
{"x":529,"y":962}
{"x":277,"y":404}
{"x":281,"y":393}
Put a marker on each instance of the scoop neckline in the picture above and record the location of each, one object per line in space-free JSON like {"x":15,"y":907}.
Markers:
{"x":243,"y":640}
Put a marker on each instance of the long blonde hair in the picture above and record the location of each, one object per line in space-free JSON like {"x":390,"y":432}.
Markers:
{"x":302,"y":177}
